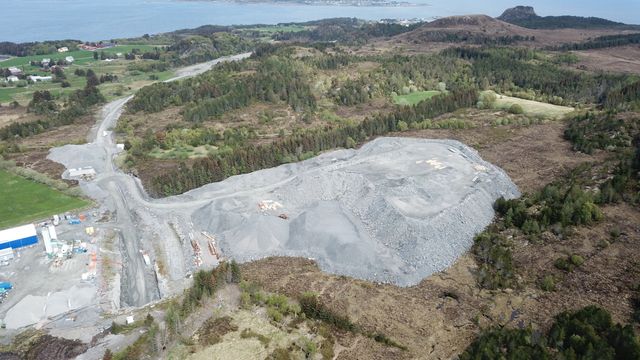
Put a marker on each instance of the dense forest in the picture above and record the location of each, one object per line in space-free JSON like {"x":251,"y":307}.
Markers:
{"x":469,"y":37}
{"x":518,"y":69}
{"x":249,"y":158}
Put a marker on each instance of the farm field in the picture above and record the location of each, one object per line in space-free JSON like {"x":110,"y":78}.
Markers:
{"x":24,"y":200}
{"x":128,"y":80}
{"x":414,"y":98}
{"x":80,"y":56}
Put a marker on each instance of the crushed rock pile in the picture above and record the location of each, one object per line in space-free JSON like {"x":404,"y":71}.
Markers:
{"x":396,"y":210}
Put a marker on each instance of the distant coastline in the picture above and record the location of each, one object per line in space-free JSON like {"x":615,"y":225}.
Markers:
{"x":352,"y":3}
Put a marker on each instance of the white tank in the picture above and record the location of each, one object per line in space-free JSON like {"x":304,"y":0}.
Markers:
{"x":47,"y":240}
{"x":52,"y":232}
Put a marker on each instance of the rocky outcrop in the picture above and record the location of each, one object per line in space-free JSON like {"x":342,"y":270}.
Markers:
{"x":518,"y":13}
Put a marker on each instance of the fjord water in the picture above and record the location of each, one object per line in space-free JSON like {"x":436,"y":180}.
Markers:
{"x":90,"y":20}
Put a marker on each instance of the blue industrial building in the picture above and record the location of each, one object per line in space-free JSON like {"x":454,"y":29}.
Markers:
{"x":18,"y":237}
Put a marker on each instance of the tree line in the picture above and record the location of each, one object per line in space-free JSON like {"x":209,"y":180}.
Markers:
{"x":601,"y":42}
{"x":250,"y":158}
{"x":275,"y":79}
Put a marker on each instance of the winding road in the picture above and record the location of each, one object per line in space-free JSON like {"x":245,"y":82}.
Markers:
{"x":124,"y":194}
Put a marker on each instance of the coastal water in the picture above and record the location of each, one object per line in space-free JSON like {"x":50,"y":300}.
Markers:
{"x":32,"y":20}
{"x":91,"y":20}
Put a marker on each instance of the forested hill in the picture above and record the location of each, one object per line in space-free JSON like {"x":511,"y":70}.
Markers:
{"x":526,"y":16}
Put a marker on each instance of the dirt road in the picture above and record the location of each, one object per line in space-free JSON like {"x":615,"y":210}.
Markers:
{"x":123,"y":194}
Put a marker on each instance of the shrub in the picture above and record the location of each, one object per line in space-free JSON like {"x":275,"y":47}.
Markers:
{"x":548,"y":283}
{"x":569,"y":263}
{"x":501,"y":343}
{"x":516,"y":109}
{"x":493,"y":253}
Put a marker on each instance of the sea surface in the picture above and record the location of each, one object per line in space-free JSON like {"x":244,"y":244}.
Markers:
{"x":90,"y":20}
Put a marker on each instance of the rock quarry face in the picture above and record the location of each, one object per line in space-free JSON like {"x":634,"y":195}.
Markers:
{"x":396,"y":210}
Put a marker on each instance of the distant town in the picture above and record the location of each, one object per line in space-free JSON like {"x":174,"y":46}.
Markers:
{"x":330,"y":2}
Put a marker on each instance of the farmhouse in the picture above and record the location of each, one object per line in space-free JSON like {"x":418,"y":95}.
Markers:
{"x":18,"y":237}
{"x":12,"y":78}
{"x":63,"y":49}
{"x":36,"y":78}
{"x":69,"y":59}
{"x":45,"y":62}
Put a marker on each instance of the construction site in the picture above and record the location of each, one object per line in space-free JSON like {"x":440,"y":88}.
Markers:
{"x":394,"y":211}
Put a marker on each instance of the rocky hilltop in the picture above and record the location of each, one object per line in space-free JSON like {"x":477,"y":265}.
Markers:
{"x":526,"y":16}
{"x":518,"y":13}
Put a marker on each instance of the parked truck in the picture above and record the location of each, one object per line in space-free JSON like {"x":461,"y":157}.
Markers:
{"x":5,"y":285}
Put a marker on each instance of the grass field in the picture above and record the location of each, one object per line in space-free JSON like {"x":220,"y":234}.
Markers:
{"x":182,"y":152}
{"x":414,"y":98}
{"x":533,"y":108}
{"x":80,"y":56}
{"x":24,"y":200}
{"x":128,"y":81}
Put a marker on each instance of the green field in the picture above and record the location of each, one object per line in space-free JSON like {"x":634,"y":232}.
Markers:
{"x":183,"y":152}
{"x":128,"y":81}
{"x":272,"y":29}
{"x":25,"y":200}
{"x":414,"y":98}
{"x":532,"y":108}
{"x":80,"y":56}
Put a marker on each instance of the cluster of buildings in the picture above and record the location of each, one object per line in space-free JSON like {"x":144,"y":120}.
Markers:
{"x":19,"y":237}
{"x":14,"y":74}
{"x":94,"y":47}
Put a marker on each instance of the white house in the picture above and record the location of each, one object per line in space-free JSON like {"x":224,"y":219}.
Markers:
{"x":12,"y":78}
{"x":15,"y":71}
{"x":45,"y":61}
{"x":69,"y":59}
{"x":63,"y":49}
{"x":36,"y":78}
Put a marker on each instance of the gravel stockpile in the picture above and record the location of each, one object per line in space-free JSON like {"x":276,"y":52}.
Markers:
{"x":396,"y":210}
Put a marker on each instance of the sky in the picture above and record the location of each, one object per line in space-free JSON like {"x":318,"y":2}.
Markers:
{"x":627,"y":11}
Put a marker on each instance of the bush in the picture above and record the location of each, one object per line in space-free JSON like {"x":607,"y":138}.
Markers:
{"x":548,"y":283}
{"x":500,"y":343}
{"x":516,"y":109}
{"x":590,"y":334}
{"x":569,"y":263}
{"x":493,"y":254}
